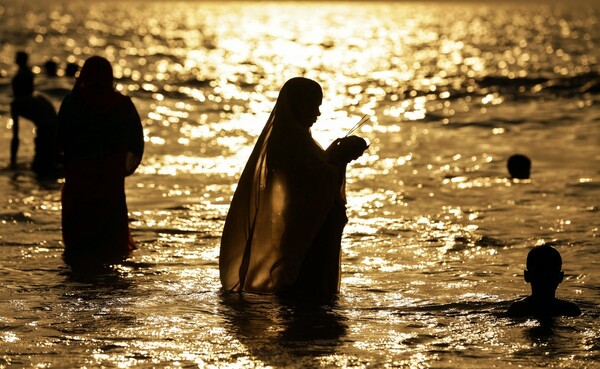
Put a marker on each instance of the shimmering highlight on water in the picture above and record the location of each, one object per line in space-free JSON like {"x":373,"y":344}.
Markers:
{"x":434,"y":250}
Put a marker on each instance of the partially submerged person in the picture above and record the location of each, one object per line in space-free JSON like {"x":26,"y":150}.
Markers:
{"x":51,"y":67}
{"x":40,"y":111}
{"x":101,"y":142}
{"x":544,"y":273}
{"x":283,"y":230}
{"x":71,"y":69}
{"x":519,"y":166}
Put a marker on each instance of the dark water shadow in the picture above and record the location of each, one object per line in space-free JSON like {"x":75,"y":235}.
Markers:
{"x":97,"y":277}
{"x":94,"y":305}
{"x":23,"y":180}
{"x":496,"y":309}
{"x":552,"y":337}
{"x":274,"y":329}
{"x":558,"y":338}
{"x":543,"y":331}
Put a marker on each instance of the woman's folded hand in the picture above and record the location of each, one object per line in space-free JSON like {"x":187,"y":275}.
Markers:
{"x":346,"y":149}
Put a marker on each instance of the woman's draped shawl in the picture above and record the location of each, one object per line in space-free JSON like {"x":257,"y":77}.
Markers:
{"x":282,"y":199}
{"x":85,"y":133}
{"x":101,"y":144}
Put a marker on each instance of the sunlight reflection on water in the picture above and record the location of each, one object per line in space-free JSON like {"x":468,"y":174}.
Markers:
{"x":434,"y":249}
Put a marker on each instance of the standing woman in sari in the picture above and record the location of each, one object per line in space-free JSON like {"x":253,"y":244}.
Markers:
{"x":284,"y":227}
{"x":100,"y":142}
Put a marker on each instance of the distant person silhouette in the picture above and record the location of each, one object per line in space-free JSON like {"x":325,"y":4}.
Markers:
{"x":22,"y":83}
{"x":544,"y":273}
{"x":40,"y":111}
{"x":519,"y":166}
{"x":71,"y":69}
{"x":283,"y":230}
{"x":51,"y":68}
{"x":101,"y":142}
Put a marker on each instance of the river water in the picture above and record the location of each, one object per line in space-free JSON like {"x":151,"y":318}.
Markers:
{"x":434,"y":250}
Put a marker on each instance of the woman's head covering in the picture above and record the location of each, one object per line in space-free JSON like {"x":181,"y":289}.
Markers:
{"x":96,"y":74}
{"x":95,"y":84}
{"x":298,"y":98}
{"x":282,"y":199}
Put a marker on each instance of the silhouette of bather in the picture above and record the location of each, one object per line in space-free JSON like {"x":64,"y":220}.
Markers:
{"x":101,"y":142}
{"x":284,"y":227}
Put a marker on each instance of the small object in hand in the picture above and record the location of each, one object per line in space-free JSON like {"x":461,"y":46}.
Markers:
{"x":365,"y":118}
{"x":348,"y":148}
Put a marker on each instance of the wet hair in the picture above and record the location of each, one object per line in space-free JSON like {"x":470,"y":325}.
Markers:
{"x":544,"y":258}
{"x":21,"y":58}
{"x":96,"y":74}
{"x":519,"y":166}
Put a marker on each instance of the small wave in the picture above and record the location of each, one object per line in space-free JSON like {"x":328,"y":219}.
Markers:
{"x":171,"y":231}
{"x":495,"y":308}
{"x":501,"y":81}
{"x":490,"y":123}
{"x":465,"y":308}
{"x":508,"y":123}
{"x":568,"y":85}
{"x":19,"y":217}
{"x":195,"y":83}
{"x":486,"y":241}
{"x":462,"y":243}
{"x":585,"y":185}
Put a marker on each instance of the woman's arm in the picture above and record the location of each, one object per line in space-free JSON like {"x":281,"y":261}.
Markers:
{"x":135,"y":144}
{"x":65,"y":113}
{"x":14,"y":143}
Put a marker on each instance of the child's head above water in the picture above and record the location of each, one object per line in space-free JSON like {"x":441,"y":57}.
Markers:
{"x":519,"y":166}
{"x":544,"y":273}
{"x":544,"y":267}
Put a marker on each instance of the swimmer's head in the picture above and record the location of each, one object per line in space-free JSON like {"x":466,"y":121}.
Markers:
{"x":544,"y":267}
{"x":519,"y":166}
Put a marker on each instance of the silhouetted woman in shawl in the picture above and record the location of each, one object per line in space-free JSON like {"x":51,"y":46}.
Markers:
{"x":284,"y":227}
{"x":100,"y":140}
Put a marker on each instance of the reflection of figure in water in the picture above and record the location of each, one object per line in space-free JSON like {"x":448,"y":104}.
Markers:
{"x":519,"y":166}
{"x":544,"y":273}
{"x":284,"y":227}
{"x":38,"y":110}
{"x":101,"y":142}
{"x":273,"y":329}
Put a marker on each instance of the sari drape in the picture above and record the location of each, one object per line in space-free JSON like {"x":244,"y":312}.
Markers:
{"x":285,"y":194}
{"x":98,"y":146}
